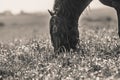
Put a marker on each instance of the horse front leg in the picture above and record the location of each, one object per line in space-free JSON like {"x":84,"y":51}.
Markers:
{"x":118,"y":16}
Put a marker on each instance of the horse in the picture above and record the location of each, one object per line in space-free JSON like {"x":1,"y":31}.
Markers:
{"x":64,"y":22}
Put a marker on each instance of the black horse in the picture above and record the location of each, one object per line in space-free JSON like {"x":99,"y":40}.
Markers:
{"x":64,"y":22}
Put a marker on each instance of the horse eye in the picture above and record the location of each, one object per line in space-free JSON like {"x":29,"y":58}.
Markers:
{"x":54,"y":20}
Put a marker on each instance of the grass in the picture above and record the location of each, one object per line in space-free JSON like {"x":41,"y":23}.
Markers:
{"x":34,"y":59}
{"x":98,"y":57}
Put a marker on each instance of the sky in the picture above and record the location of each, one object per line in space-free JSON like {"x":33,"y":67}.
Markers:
{"x":33,"y":5}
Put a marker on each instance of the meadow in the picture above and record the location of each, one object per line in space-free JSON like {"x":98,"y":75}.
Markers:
{"x":26,"y":52}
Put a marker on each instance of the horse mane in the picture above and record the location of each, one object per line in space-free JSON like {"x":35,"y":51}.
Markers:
{"x":64,"y":28}
{"x":70,"y":8}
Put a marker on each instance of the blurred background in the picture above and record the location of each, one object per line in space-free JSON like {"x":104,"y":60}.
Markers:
{"x":27,"y":18}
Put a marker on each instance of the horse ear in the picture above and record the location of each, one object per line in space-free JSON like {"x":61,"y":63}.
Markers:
{"x":51,"y":13}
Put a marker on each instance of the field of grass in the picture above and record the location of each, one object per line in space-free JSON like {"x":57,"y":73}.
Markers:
{"x":23,"y":26}
{"x":33,"y":58}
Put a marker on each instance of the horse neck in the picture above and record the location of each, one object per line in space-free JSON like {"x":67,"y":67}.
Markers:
{"x":70,"y":9}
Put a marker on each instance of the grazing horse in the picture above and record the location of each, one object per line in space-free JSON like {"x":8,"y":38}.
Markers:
{"x":64,"y":22}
